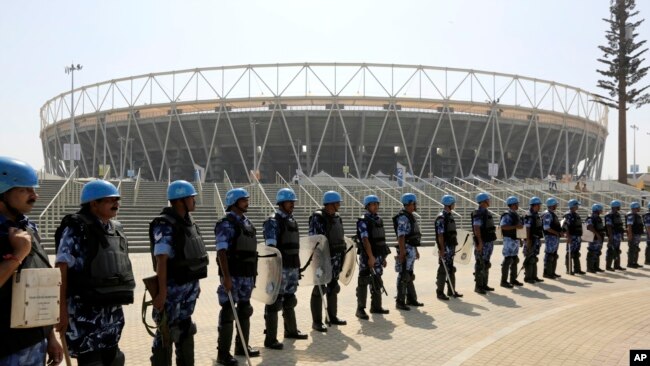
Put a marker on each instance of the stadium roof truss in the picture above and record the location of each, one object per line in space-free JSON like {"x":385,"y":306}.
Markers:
{"x":393,"y":90}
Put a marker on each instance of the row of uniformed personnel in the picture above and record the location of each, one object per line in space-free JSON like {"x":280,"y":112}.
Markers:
{"x":92,"y":254}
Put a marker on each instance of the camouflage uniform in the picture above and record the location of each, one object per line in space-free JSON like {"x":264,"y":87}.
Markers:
{"x":242,"y":288}
{"x":483,"y":264}
{"x":536,"y":232}
{"x":405,"y":288}
{"x":449,"y":253}
{"x":573,"y":227}
{"x":286,"y":300}
{"x":179,"y":303}
{"x":510,"y":248}
{"x":613,"y":253}
{"x":317,"y":226}
{"x":31,"y":343}
{"x":92,"y":330}
{"x":366,"y":277}
{"x":636,"y":222}
{"x":552,"y":243}
{"x":595,"y":247}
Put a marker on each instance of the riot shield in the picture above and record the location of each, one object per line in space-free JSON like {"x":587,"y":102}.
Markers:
{"x":587,"y":235}
{"x":315,"y":260}
{"x":521,"y":233}
{"x":465,"y":246}
{"x":269,"y":274}
{"x":349,"y":262}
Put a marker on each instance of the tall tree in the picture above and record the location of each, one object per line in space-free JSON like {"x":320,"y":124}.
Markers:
{"x":622,"y":57}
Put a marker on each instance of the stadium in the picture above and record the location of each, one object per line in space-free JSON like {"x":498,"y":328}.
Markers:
{"x":358,"y":118}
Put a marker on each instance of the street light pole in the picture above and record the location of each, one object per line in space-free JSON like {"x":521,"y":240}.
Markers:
{"x":635,"y":128}
{"x":70,"y":70}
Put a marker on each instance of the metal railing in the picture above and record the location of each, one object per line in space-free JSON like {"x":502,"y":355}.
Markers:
{"x":217,"y":197}
{"x":312,"y":199}
{"x":136,"y":188}
{"x":67,"y":195}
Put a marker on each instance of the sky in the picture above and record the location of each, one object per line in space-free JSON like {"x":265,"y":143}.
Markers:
{"x":552,"y":39}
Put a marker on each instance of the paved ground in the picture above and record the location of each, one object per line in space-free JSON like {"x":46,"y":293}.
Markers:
{"x":583,"y":320}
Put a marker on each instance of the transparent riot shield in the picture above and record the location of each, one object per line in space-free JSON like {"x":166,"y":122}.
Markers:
{"x":315,"y":260}
{"x":269,"y":274}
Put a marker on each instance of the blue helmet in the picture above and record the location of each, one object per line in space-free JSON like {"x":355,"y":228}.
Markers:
{"x":16,"y":173}
{"x":448,"y":200}
{"x":331,"y":197}
{"x":98,"y":189}
{"x":284,"y":195}
{"x":635,"y":205}
{"x":483,"y":196}
{"x":512,"y":200}
{"x":408,"y":198}
{"x":551,"y":202}
{"x":535,"y":201}
{"x":234,"y":195}
{"x":370,"y":199}
{"x":615,"y":203}
{"x":596,"y":207}
{"x":180,"y":189}
{"x":573,"y":203}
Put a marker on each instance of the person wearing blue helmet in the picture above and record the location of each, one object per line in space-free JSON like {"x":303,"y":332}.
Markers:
{"x":447,"y":241}
{"x":180,"y":261}
{"x":509,"y":223}
{"x":596,"y":225}
{"x":573,"y":229}
{"x":92,"y":252}
{"x":646,"y":223}
{"x":484,"y":236}
{"x":236,"y":243}
{"x":552,"y":234}
{"x":326,"y":221}
{"x":372,"y":258}
{"x":409,"y":236}
{"x":281,"y":232}
{"x":635,"y":228}
{"x":534,"y":234}
{"x":20,"y":248}
{"x":615,"y":231}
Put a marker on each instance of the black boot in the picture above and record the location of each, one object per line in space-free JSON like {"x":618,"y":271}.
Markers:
{"x":271,"y":322}
{"x":375,"y":303}
{"x":333,"y":304}
{"x":513,"y":272}
{"x":486,"y":287}
{"x":289,"y":314}
{"x":161,"y":356}
{"x":576,"y":263}
{"x":241,"y":340}
{"x":591,"y":265}
{"x":362,"y":296}
{"x":647,"y":253}
{"x":617,"y":262}
{"x":411,"y":294}
{"x":316,"y":304}
{"x":441,"y":278}
{"x":185,"y":351}
{"x":555,"y":258}
{"x":224,"y":339}
{"x":452,"y":283}
{"x":505,"y":267}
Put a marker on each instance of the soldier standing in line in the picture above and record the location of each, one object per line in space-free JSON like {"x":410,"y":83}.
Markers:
{"x":573,"y":229}
{"x":635,"y":227}
{"x":409,"y":236}
{"x":180,"y":261}
{"x":281,"y":231}
{"x":509,"y":223}
{"x":327,"y":221}
{"x":372,"y":258}
{"x":236,"y":243}
{"x":484,"y":237}
{"x":552,"y":234}
{"x":596,"y":225}
{"x":615,"y":230}
{"x":446,"y":238}
{"x":96,"y":277}
{"x":534,"y":234}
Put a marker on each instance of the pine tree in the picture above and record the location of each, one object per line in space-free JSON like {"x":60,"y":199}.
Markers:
{"x":622,"y":56}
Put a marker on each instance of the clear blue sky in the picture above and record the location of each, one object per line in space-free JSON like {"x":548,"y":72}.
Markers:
{"x":551,"y":39}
